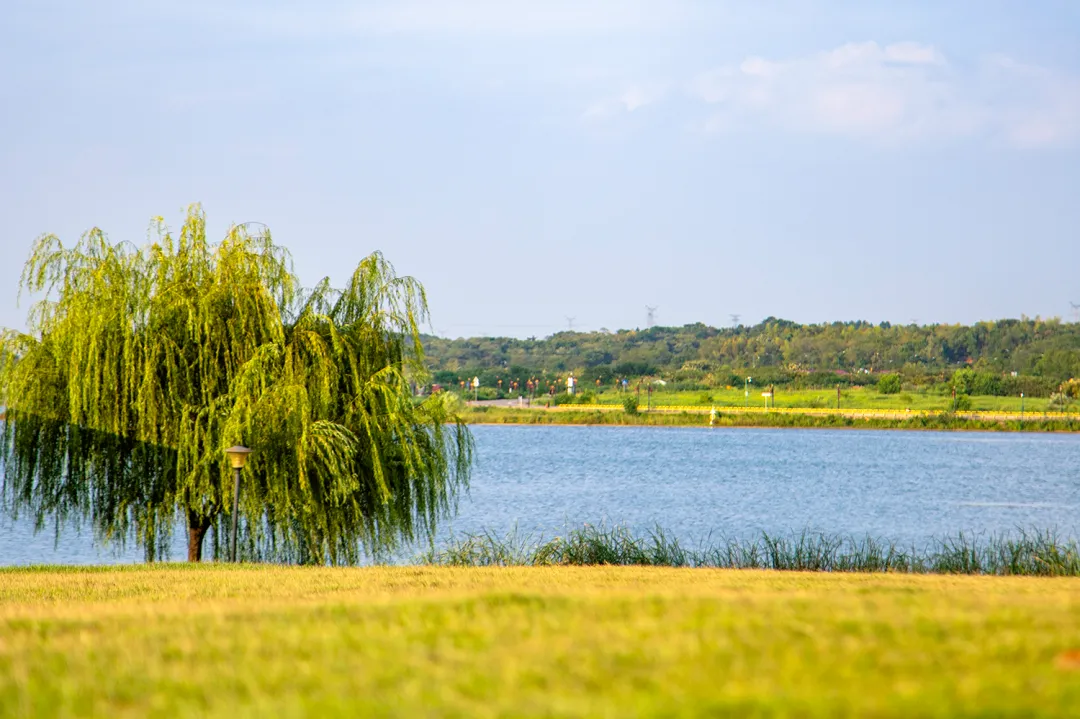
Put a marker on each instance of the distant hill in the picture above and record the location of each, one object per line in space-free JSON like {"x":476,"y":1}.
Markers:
{"x":700,"y":354}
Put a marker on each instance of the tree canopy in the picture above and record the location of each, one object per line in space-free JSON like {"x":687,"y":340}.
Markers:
{"x":1044,"y":350}
{"x":142,"y":364}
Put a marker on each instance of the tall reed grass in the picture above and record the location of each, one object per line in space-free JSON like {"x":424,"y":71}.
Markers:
{"x":1027,"y":553}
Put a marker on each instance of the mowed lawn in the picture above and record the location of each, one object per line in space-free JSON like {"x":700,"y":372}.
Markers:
{"x":592,"y":641}
{"x":851,"y":398}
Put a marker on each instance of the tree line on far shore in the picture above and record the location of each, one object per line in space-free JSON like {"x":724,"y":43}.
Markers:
{"x":1003,"y":357}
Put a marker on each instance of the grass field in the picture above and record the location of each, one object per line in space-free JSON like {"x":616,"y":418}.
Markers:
{"x":866,"y":398}
{"x":571,"y":414}
{"x":557,"y":641}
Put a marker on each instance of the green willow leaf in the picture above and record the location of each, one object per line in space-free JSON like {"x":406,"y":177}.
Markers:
{"x":142,"y":364}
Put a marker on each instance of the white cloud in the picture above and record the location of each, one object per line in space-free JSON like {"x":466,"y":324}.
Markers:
{"x":913,"y":53}
{"x":894,"y":93}
{"x":632,"y":98}
{"x":636,"y":97}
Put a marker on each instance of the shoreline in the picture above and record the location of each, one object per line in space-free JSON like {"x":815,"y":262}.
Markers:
{"x":488,"y":416}
{"x":982,"y":430}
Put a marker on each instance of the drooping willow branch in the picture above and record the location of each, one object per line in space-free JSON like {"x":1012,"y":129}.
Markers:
{"x":141,"y":365}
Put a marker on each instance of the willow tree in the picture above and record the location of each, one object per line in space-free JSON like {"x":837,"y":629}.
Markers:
{"x":142,"y":364}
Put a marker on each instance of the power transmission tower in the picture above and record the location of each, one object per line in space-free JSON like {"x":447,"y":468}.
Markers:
{"x":650,"y":315}
{"x":1076,"y":311}
{"x":570,"y":323}
{"x":735,"y":320}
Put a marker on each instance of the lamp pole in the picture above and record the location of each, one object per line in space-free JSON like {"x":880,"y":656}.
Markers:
{"x":746,"y":391}
{"x":235,"y":511}
{"x":237,"y":458}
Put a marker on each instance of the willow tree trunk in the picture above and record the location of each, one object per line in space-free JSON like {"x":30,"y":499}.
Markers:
{"x":197,"y":526}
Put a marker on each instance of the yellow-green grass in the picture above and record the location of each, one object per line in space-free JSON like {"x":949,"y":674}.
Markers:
{"x":865,"y":398}
{"x":698,"y":417}
{"x":548,"y":641}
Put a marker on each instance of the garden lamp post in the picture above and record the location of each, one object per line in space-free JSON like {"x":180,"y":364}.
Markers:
{"x":237,"y":458}
{"x":746,"y":391}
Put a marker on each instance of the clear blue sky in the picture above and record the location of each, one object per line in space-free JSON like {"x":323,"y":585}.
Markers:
{"x":530,"y":161}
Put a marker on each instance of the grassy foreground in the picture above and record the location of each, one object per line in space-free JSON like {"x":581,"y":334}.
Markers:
{"x":533,"y":641}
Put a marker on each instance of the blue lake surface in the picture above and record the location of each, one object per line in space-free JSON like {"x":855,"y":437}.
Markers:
{"x":696,"y":482}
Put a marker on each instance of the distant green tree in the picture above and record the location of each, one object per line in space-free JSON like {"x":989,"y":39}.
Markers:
{"x":889,"y":384}
{"x":987,"y":384}
{"x":1059,"y":402}
{"x":963,"y":381}
{"x":630,"y":404}
{"x":1060,"y":364}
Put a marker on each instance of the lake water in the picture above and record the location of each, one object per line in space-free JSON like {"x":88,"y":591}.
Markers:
{"x":697,"y":482}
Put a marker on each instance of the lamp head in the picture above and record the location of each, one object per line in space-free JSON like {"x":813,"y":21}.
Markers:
{"x":237,"y":456}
